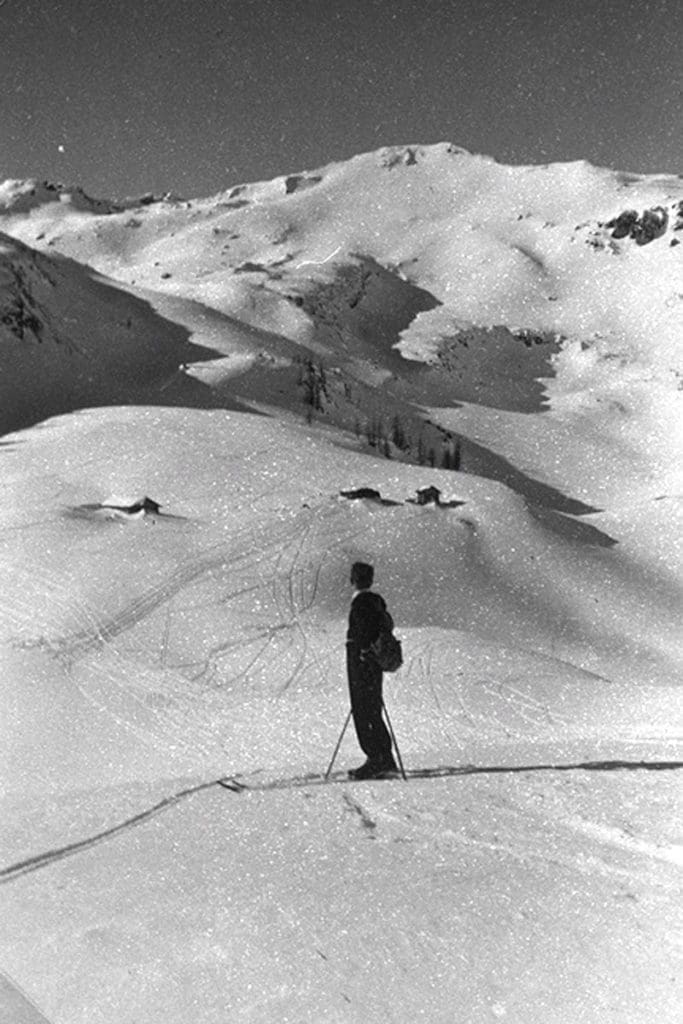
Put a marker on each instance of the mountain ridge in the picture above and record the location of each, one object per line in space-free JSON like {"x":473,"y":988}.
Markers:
{"x":404,"y":278}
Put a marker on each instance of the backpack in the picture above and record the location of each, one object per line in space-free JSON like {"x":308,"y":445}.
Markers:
{"x":386,"y":649}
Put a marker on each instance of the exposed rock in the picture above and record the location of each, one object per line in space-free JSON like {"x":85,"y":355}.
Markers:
{"x":19,"y":310}
{"x":18,"y":196}
{"x":652,"y":224}
{"x":643,"y":228}
{"x":365,"y":299}
{"x":394,"y":157}
{"x":296,"y":182}
{"x":623,"y":225}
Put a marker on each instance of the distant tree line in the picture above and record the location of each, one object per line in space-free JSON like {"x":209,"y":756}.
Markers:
{"x":396,"y":438}
{"x":388,"y":438}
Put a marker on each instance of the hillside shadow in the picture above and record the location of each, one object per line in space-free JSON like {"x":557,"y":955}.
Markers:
{"x":133,"y":356}
{"x":479,"y":460}
{"x":547,"y":504}
{"x":571,"y":529}
{"x":362,"y":308}
{"x":498,"y":366}
{"x":482,"y":461}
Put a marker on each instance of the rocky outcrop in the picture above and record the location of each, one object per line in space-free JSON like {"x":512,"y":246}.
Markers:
{"x":297,"y":182}
{"x":678,"y":210}
{"x":643,"y":228}
{"x":17,"y":313}
{"x":362,"y":300}
{"x":23,"y":196}
{"x":20,"y":312}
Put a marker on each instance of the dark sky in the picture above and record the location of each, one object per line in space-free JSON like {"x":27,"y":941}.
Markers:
{"x":192,"y":96}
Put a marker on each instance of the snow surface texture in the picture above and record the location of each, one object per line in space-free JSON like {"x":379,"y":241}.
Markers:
{"x":241,"y":360}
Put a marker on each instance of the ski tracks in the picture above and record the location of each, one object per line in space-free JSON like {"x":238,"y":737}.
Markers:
{"x":241,"y":549}
{"x":48,"y":857}
{"x":604,"y":835}
{"x":607,"y":835}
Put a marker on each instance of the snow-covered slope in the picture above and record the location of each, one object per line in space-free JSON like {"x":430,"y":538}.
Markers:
{"x":372,"y":324}
{"x":442,"y":277}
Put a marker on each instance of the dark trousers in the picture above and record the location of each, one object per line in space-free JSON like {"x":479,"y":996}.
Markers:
{"x":365,"y":689}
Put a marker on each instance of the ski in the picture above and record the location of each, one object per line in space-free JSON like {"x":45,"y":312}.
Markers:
{"x":237,"y":785}
{"x":253,"y":784}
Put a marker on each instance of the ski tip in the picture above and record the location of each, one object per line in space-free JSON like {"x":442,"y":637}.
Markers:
{"x":232,"y":784}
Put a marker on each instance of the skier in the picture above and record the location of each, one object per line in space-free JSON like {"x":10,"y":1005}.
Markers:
{"x":368,"y":614}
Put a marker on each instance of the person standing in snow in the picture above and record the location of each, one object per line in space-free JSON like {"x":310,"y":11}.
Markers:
{"x":368,"y":614}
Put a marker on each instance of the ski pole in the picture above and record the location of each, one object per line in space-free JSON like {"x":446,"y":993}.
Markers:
{"x":336,"y":749}
{"x":393,"y":740}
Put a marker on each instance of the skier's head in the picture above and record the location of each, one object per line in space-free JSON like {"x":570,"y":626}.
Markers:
{"x":362,"y":575}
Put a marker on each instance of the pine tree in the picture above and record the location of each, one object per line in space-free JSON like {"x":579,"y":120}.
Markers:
{"x":397,"y":433}
{"x":322,"y":385}
{"x":375,"y":431}
{"x":314,"y":382}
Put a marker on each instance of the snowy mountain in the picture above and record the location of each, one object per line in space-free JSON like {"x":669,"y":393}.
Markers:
{"x":435,"y":277}
{"x":280,"y":368}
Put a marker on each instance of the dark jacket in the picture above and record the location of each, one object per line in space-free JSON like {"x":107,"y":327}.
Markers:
{"x":367,"y":616}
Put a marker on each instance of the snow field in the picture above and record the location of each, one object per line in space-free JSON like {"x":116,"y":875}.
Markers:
{"x":144,"y":659}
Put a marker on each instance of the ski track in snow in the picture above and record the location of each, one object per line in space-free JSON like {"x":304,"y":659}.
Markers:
{"x":247,"y":552}
{"x":601,"y":834}
{"x":607,"y":835}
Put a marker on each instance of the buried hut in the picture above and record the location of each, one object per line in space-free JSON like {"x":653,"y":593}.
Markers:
{"x":431,"y":495}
